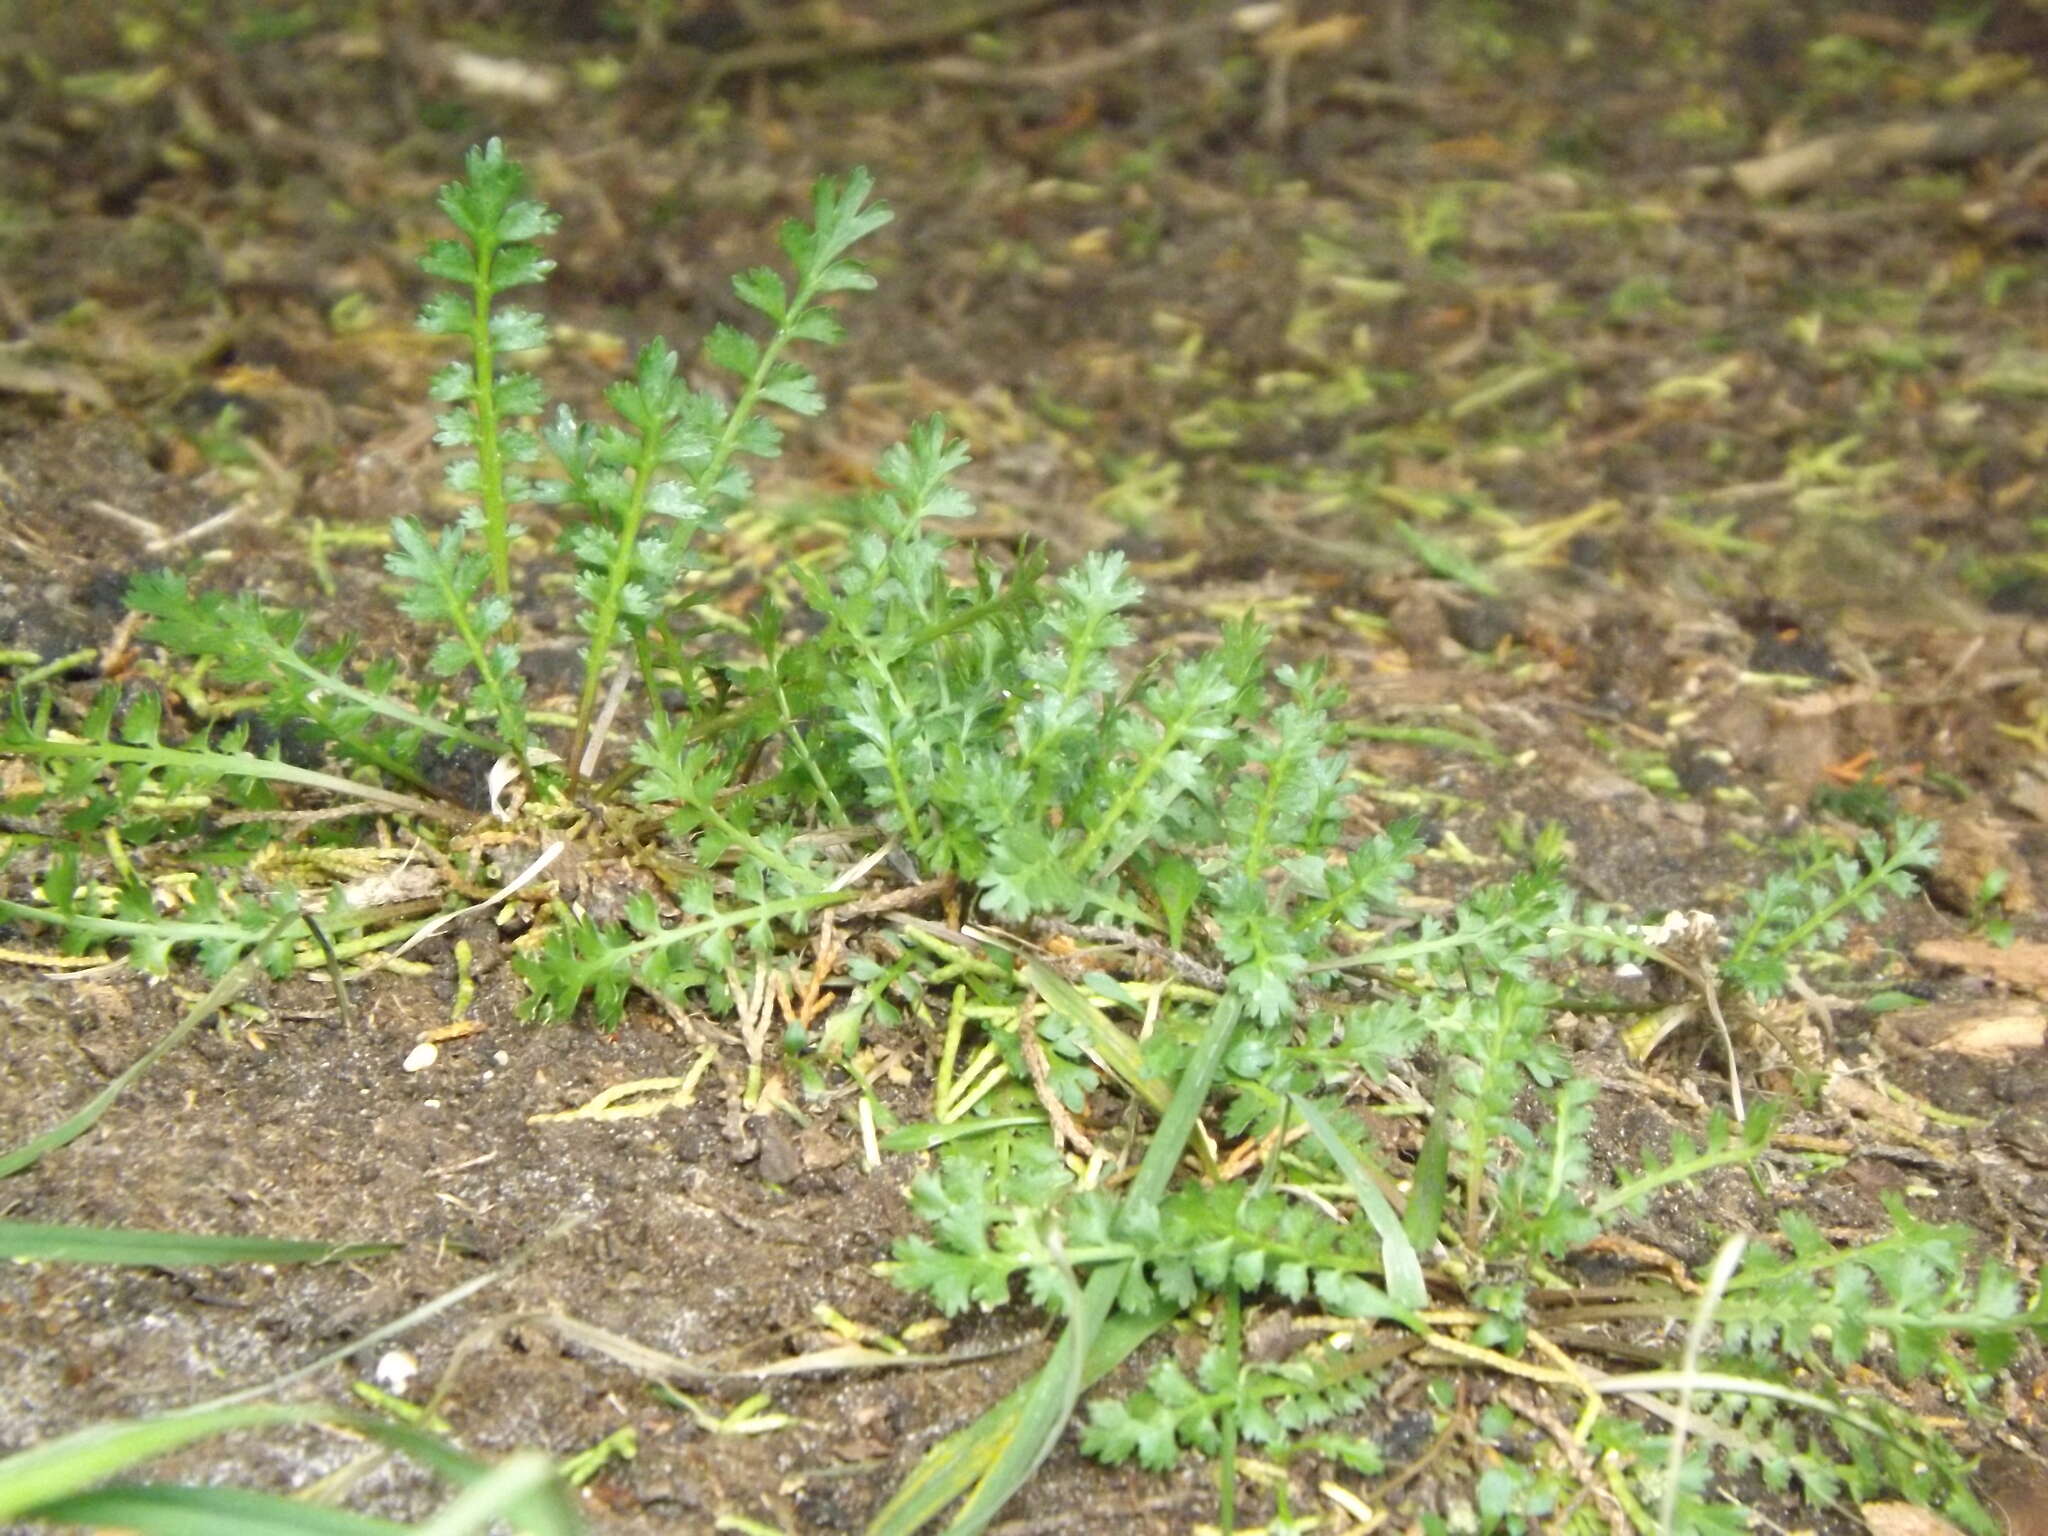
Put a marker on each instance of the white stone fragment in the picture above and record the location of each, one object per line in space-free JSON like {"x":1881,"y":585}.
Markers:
{"x":395,"y":1370}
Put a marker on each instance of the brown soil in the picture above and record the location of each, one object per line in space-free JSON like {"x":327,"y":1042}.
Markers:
{"x":1463,"y":279}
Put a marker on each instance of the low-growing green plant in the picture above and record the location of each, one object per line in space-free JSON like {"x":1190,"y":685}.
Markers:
{"x":1130,"y":906}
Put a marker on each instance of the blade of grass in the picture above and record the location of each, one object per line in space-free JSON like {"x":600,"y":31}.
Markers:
{"x":659,"y":1364}
{"x":1430,"y":1185}
{"x":224,"y":992}
{"x":1405,"y":1285}
{"x":57,"y":1476}
{"x":1233,"y":1366}
{"x":953,"y":1466}
{"x":532,"y":1498}
{"x":54,"y":1242}
{"x":72,"y":1463}
{"x":1046,"y":1407}
{"x":926,"y":1135}
{"x":1109,"y":1045}
{"x":171,"y":1510}
{"x":990,"y":1459}
{"x":1440,"y":737}
{"x":247,"y":765}
{"x":1442,"y":558}
{"x":524,"y":1482}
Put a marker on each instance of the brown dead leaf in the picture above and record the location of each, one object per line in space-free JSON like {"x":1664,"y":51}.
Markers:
{"x":1316,"y":37}
{"x":1973,"y":845}
{"x":2030,"y":794}
{"x":821,"y":1149}
{"x":18,"y":376}
{"x":1984,"y":1030}
{"x":2022,"y":966}
{"x":389,"y":887}
{"x":2017,"y":1487}
{"x":1854,"y":1097}
{"x":1891,"y":1519}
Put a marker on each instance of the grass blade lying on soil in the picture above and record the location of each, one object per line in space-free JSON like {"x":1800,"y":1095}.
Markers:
{"x":525,"y":1481}
{"x":73,"y":1463}
{"x":1403,"y":1269}
{"x":171,"y":1510}
{"x":956,"y":1464}
{"x":224,"y":992}
{"x":52,"y":1481}
{"x":530,"y":1496}
{"x":995,"y":1454}
{"x":56,"y":1243}
{"x":659,"y":1365}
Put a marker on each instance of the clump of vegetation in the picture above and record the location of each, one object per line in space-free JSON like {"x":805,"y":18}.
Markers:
{"x":1198,"y":1060}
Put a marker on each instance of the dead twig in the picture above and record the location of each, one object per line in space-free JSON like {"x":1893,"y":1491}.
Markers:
{"x":1576,"y":1457}
{"x":1086,"y":66}
{"x":807,"y":53}
{"x":1186,"y":967}
{"x":660,"y":1365}
{"x":151,"y":532}
{"x":1064,"y":1126}
{"x":1865,"y":151}
{"x":900,"y":898}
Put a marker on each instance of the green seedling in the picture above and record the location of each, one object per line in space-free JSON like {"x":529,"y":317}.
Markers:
{"x":621,"y":1445}
{"x":751,"y":1417}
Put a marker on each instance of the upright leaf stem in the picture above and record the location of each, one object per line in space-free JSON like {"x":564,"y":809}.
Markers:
{"x":490,"y":455}
{"x":750,"y":392}
{"x":606,"y":619}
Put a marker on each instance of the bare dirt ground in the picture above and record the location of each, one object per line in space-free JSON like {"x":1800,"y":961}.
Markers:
{"x":1618,"y":492}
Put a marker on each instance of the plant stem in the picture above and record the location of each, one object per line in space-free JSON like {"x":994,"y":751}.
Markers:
{"x":728,"y":438}
{"x":244,"y":765}
{"x":490,"y":455}
{"x":606,"y":618}
{"x":1170,"y":734}
{"x":787,"y":906}
{"x":478,"y":645}
{"x":388,"y":707}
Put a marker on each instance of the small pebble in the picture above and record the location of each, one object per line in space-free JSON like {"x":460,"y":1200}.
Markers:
{"x":395,"y":1370}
